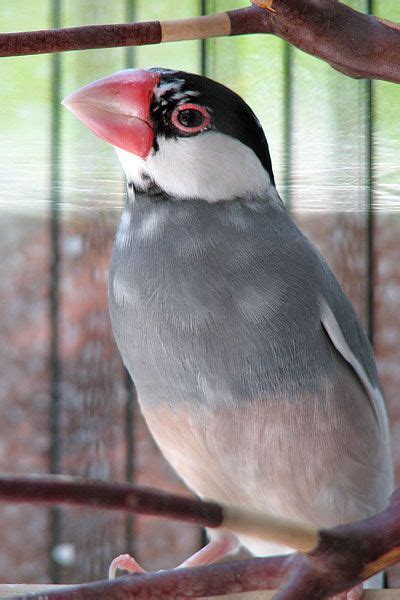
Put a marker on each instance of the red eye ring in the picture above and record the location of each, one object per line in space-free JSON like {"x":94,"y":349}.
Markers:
{"x":190,"y":106}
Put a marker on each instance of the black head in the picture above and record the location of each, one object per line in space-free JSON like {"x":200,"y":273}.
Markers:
{"x":228,"y":112}
{"x":182,"y":135}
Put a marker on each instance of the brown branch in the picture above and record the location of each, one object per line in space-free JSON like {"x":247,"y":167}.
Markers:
{"x":345,"y":555}
{"x":54,"y":489}
{"x":146,"y":501}
{"x":258,"y":574}
{"x":357,"y":44}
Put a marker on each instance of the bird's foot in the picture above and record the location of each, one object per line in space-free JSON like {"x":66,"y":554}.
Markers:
{"x":217,"y":548}
{"x":353,"y":594}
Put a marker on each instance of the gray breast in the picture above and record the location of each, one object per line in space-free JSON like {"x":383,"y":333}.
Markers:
{"x":211,"y":303}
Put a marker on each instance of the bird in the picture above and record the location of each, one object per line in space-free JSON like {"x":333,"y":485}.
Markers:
{"x":253,"y":371}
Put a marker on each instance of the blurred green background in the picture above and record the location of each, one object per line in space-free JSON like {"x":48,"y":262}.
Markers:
{"x":65,"y":402}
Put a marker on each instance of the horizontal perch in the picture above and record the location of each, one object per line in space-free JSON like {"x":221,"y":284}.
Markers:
{"x":219,"y":580}
{"x":146,"y":501}
{"x":354,"y":43}
{"x":12,"y":590}
{"x":344,"y":556}
{"x":9,"y":591}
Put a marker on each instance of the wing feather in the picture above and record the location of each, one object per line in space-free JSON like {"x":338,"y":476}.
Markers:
{"x":338,"y":339}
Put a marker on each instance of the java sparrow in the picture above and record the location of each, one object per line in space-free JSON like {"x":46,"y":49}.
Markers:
{"x":252,"y":369}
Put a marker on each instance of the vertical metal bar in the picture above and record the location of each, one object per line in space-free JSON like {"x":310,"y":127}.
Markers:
{"x":130,"y":13}
{"x":369,"y":132}
{"x":55,"y":364}
{"x":203,"y":43}
{"x":203,"y":70}
{"x":131,"y":397}
{"x":287,"y":122}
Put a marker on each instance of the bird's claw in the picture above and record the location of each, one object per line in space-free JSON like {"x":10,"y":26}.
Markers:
{"x":124,"y":562}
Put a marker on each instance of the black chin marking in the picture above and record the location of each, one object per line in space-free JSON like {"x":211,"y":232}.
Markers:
{"x":149,"y":189}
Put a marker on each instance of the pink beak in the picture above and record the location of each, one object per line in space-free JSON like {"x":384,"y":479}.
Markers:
{"x":117,"y":109}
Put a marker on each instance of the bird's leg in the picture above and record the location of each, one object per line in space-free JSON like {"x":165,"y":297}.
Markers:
{"x":217,"y":548}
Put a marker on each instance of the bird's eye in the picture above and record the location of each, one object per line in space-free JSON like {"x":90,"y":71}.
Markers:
{"x":191,"y":118}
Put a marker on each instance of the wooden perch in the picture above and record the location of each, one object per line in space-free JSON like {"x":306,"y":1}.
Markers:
{"x":22,"y":590}
{"x":354,"y":43}
{"x":146,"y":501}
{"x":343,"y":556}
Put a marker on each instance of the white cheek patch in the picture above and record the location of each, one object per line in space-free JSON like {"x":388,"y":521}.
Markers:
{"x":211,"y":166}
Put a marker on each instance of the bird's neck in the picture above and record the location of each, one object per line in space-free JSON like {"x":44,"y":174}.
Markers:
{"x":169,"y":225}
{"x":153,"y":194}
